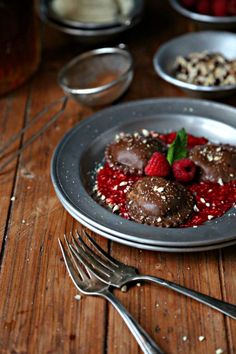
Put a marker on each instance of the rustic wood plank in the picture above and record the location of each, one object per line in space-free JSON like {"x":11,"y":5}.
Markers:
{"x":35,"y":289}
{"x":12,"y":110}
{"x":228,"y":269}
{"x":167,"y":316}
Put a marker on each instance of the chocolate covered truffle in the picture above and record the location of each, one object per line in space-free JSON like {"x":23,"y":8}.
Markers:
{"x":156,"y":201}
{"x":130,"y":153}
{"x":217,"y":162}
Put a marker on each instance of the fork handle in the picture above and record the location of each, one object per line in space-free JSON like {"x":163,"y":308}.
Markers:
{"x":145,"y":342}
{"x":224,"y":307}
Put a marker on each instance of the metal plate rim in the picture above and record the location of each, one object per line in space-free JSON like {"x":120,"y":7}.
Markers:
{"x":197,"y":234}
{"x":149,"y":247}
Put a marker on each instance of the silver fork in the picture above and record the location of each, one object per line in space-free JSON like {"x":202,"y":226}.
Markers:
{"x":117,"y":274}
{"x":87,"y":283}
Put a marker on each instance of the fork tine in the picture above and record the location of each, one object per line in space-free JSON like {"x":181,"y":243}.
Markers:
{"x":69,"y":266}
{"x":92,"y":257}
{"x":89,"y":263}
{"x":75,"y":260}
{"x":107,"y":257}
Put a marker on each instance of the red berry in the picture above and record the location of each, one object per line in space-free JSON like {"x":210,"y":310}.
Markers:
{"x":195,"y":140}
{"x":158,"y":165}
{"x":203,"y":7}
{"x":169,"y":138}
{"x":219,"y":8}
{"x":184,"y":170}
{"x":231,"y":7}
{"x":188,"y":3}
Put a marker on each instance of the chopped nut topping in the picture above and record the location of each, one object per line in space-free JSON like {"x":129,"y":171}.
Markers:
{"x":206,"y":69}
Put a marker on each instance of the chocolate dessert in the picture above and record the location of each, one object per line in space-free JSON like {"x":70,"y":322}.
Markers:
{"x":130,"y":153}
{"x":131,"y":183}
{"x":217,"y":162}
{"x":156,"y":201}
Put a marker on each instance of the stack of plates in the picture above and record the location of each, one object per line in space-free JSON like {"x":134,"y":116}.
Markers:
{"x":91,"y":33}
{"x":82,"y":149}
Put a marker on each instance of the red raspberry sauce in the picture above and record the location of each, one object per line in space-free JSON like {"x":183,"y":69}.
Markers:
{"x":212,"y":199}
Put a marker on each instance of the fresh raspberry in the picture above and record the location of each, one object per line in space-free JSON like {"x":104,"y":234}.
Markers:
{"x":203,"y":7}
{"x":184,"y":170}
{"x":188,"y":3}
{"x":169,"y":138}
{"x":195,"y":140}
{"x":231,"y":7}
{"x":219,"y":7}
{"x":158,"y":166}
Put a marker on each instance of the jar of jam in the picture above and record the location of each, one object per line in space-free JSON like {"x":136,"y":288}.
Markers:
{"x":20,"y":46}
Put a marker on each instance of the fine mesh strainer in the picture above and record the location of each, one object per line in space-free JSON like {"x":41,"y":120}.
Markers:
{"x":94,"y":78}
{"x":97,"y":77}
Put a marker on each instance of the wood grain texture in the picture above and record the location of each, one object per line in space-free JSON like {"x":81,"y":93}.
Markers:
{"x":38,"y":312}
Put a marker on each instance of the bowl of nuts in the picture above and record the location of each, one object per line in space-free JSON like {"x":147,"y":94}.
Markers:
{"x":211,"y":14}
{"x":203,"y":64}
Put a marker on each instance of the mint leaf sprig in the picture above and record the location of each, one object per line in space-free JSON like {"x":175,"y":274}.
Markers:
{"x":178,"y":149}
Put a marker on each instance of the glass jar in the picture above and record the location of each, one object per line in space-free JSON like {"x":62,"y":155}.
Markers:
{"x":20,"y":45}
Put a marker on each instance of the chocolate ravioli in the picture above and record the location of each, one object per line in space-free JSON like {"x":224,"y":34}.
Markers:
{"x":131,"y":153}
{"x":156,"y":201}
{"x":217,"y":162}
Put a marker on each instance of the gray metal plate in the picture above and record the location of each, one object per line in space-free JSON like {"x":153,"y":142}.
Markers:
{"x":148,"y":247}
{"x":82,"y":149}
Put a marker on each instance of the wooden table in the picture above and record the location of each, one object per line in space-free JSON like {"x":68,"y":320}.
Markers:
{"x":38,"y":312}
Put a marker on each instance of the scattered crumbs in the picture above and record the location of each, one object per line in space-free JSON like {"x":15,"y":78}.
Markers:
{"x":219,"y":351}
{"x":115,"y":208}
{"x":124,"y":289}
{"x":13,"y":198}
{"x":209,"y":217}
{"x":202,"y":200}
{"x":195,"y":208}
{"x":123,"y":183}
{"x":220,"y":181}
{"x":78,"y":297}
{"x":208,"y":204}
{"x":201,"y":338}
{"x":23,"y":221}
{"x":157,"y":266}
{"x":145,"y":132}
{"x":138,"y":284}
{"x":184,"y":338}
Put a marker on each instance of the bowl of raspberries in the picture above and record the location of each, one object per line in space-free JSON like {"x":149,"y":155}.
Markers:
{"x":208,"y":13}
